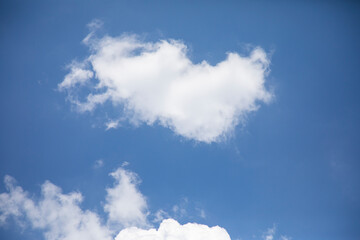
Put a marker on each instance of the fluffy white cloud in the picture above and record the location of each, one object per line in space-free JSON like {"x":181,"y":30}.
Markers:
{"x":125,"y":204}
{"x":156,"y":82}
{"x":171,"y":230}
{"x":77,"y":76}
{"x":60,"y":216}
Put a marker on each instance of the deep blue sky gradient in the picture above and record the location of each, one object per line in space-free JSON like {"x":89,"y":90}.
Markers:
{"x":295,"y":163}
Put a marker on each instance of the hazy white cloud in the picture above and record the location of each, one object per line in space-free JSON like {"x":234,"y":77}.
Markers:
{"x":184,"y":210}
{"x":202,"y":213}
{"x":125,"y":163}
{"x":171,"y":230}
{"x":60,"y":216}
{"x":160,"y":215}
{"x":98,"y":163}
{"x":269,"y":234}
{"x":156,"y":82}
{"x":285,"y":238}
{"x":125,"y":204}
{"x":112,"y":124}
{"x":179,"y":210}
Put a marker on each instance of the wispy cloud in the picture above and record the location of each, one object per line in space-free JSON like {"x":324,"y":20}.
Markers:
{"x":270,"y":233}
{"x":184,"y":210}
{"x":156,"y":82}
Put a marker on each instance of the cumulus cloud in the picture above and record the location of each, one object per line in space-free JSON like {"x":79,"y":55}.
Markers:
{"x":125,"y":204}
{"x":60,"y":216}
{"x":171,"y":230}
{"x":157,"y":83}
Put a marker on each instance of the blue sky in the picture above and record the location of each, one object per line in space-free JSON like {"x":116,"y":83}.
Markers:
{"x":291,"y":166}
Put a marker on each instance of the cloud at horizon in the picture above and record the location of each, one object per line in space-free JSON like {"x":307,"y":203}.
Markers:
{"x":156,"y":83}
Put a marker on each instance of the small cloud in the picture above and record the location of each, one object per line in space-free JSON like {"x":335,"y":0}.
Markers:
{"x":125,"y":163}
{"x":270,"y":233}
{"x":175,"y":208}
{"x":95,"y":24}
{"x":112,"y":124}
{"x":98,"y":163}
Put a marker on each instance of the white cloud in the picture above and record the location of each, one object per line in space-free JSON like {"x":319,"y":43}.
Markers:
{"x":125,"y":204}
{"x":78,"y":75}
{"x":60,"y":216}
{"x":171,"y":230}
{"x":156,"y":82}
